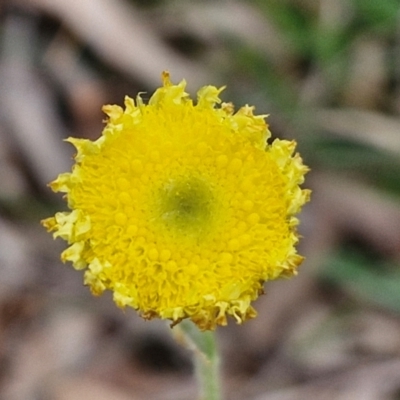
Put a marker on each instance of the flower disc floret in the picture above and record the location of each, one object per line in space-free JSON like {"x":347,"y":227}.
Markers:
{"x":182,"y":209}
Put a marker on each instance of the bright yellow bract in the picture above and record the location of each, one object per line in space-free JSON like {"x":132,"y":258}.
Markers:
{"x":182,"y":210}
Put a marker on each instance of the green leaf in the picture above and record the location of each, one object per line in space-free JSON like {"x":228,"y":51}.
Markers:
{"x":375,"y":282}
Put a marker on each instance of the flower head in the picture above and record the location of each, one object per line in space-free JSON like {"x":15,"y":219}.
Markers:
{"x":182,"y":209}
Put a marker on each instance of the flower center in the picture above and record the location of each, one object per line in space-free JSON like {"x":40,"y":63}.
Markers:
{"x":185,"y":206}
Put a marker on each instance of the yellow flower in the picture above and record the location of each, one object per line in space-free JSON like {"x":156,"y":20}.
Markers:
{"x":183,"y":210}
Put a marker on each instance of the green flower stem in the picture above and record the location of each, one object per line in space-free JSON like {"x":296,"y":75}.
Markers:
{"x":206,"y":358}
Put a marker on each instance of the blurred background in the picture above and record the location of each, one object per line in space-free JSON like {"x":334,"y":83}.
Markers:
{"x":327,"y":72}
